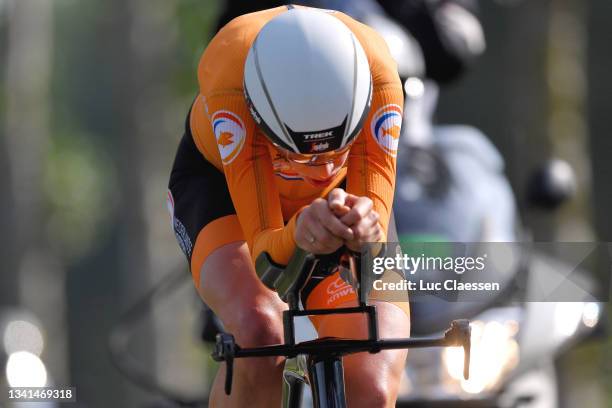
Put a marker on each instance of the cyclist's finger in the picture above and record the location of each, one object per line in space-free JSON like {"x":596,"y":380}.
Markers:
{"x":341,"y":211}
{"x":350,"y":199}
{"x":329,"y":221}
{"x":366,"y":230}
{"x":324,"y":241}
{"x":326,"y":223}
{"x":337,"y":228}
{"x":303,"y":237}
{"x":367,"y":233}
{"x":361,"y":208}
{"x":336,"y":198}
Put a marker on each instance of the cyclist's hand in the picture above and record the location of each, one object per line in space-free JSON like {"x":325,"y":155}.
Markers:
{"x":319,"y":231}
{"x":357,"y":213}
{"x":337,"y":202}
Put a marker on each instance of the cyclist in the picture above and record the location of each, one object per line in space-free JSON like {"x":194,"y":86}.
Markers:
{"x":290,"y":142}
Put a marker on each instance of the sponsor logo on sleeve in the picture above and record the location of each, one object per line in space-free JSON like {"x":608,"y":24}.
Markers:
{"x":386,"y":125}
{"x":230,"y":133}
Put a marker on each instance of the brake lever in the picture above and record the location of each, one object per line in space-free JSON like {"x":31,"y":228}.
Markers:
{"x":460,"y":334}
{"x":225,"y":350}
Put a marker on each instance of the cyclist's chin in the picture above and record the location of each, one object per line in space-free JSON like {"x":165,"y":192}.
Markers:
{"x":319,"y":182}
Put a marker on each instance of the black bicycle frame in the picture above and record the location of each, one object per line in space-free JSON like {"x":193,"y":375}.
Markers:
{"x":326,"y":376}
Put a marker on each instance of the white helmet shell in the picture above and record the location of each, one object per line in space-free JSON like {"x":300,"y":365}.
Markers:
{"x":307,"y":81}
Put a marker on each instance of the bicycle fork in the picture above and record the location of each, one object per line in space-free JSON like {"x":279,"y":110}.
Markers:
{"x":294,"y":378}
{"x":325,"y":376}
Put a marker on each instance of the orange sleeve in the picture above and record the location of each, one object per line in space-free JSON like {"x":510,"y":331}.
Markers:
{"x":371,"y":168}
{"x":247,"y":165}
{"x":226,"y":135}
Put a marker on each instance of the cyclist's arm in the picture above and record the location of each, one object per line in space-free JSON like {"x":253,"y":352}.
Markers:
{"x":371,"y":168}
{"x":246,"y":162}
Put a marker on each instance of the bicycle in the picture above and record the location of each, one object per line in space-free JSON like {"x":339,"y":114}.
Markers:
{"x":319,"y":362}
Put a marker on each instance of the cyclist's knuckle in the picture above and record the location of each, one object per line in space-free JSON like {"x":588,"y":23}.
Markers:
{"x":337,"y":229}
{"x":311,"y":218}
{"x":358,"y":233}
{"x":319,"y":202}
{"x":365,"y":201}
{"x":355,"y":213}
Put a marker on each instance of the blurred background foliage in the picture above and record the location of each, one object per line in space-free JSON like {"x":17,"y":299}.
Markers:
{"x":93,"y":98}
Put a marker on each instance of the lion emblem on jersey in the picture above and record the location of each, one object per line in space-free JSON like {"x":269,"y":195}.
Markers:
{"x":386,"y":126}
{"x":230,"y":133}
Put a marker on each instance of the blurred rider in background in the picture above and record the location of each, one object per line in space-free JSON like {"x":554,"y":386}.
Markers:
{"x":448,"y":31}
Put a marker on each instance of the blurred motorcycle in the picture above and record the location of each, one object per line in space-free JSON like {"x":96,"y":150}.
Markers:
{"x":451,"y":188}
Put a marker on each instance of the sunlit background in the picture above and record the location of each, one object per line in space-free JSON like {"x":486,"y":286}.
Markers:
{"x":93,"y":98}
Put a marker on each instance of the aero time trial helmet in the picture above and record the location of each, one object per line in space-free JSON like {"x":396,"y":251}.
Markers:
{"x":307,"y":82}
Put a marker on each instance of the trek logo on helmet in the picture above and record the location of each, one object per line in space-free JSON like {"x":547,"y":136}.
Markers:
{"x":230,"y":133}
{"x":386,"y":126}
{"x":320,"y":135}
{"x":319,"y":141}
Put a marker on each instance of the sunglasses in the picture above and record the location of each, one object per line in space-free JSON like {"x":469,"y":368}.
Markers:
{"x":315,"y":159}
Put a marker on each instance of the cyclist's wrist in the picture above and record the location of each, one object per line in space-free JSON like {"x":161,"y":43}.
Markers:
{"x":296,"y":220}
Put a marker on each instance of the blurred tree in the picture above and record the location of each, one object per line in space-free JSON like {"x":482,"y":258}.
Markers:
{"x":41,"y":274}
{"x":103,"y":83}
{"x":567,"y":127}
{"x":599,"y":59}
{"x":9,"y":295}
{"x":599,"y":91}
{"x":125,"y":75}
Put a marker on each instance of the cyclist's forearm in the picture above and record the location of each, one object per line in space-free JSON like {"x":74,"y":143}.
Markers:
{"x":279,"y":243}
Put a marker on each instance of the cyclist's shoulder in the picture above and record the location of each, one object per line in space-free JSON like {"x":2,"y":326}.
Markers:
{"x":222,"y":63}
